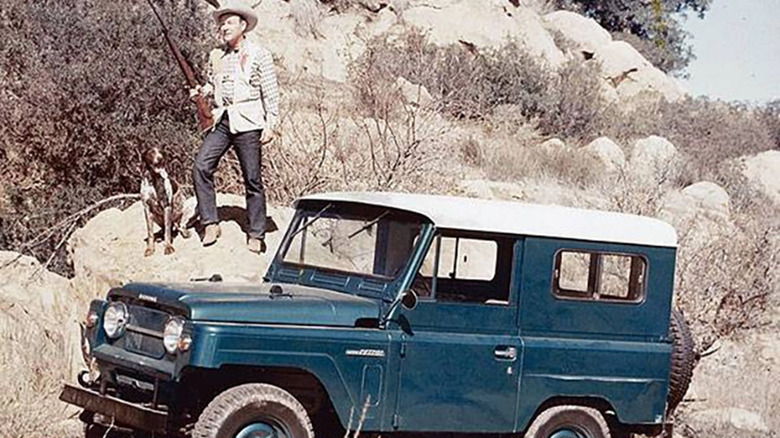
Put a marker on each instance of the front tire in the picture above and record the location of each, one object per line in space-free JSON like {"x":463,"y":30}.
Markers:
{"x":568,"y":421}
{"x":254,"y":409}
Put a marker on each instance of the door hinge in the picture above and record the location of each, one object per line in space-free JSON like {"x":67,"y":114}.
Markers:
{"x":403,"y":349}
{"x":396,"y":421}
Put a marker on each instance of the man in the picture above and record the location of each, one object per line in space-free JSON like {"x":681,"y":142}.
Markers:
{"x":243,"y":83}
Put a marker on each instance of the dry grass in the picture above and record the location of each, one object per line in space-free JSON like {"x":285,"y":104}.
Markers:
{"x":35,"y":357}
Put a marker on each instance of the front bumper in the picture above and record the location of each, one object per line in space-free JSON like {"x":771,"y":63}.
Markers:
{"x":123,"y":412}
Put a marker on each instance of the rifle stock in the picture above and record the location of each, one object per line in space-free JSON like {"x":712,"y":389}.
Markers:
{"x":205,"y":117}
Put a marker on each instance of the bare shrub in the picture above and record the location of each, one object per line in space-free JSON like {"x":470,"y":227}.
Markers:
{"x":770,"y":115}
{"x":579,"y":110}
{"x":725,"y":285}
{"x":365,"y":139}
{"x":708,"y":132}
{"x":471,"y":152}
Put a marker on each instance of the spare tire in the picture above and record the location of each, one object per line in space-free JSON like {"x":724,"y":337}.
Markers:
{"x":683,"y":361}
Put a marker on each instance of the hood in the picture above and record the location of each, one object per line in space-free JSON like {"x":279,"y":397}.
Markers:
{"x":246,"y":303}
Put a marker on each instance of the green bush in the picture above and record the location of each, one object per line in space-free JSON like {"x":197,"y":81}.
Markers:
{"x":87,"y":86}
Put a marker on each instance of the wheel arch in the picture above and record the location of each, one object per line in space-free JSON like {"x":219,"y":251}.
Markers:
{"x":600,"y":404}
{"x":604,"y":406}
{"x":304,"y":384}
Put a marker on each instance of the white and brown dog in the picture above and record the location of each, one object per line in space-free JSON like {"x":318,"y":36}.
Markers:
{"x":163,"y":202}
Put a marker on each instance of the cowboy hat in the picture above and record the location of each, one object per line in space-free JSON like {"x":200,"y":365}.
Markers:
{"x":240,"y":8}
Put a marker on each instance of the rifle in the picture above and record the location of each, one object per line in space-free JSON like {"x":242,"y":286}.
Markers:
{"x":205,"y":118}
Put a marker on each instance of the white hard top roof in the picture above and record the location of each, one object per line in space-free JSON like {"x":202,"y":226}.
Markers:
{"x":508,"y":217}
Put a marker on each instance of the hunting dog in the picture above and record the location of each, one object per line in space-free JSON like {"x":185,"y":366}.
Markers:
{"x":163,"y":201}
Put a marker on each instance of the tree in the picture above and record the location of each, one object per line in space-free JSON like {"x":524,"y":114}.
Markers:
{"x":87,"y":85}
{"x":653,"y":26}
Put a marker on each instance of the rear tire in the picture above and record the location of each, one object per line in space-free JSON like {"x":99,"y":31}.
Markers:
{"x":683,"y":361}
{"x":569,"y":421}
{"x":244,"y":409}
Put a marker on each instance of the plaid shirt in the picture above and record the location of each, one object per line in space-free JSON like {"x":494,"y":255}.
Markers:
{"x":245,"y":87}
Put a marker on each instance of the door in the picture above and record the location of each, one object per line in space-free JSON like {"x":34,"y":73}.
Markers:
{"x":460,"y":350}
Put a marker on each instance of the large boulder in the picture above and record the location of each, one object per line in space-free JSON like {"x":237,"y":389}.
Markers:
{"x":654,"y":159}
{"x":485,"y":24}
{"x":537,"y":191}
{"x":39,"y":309}
{"x":700,"y":213}
{"x":23,"y":279}
{"x":324,"y":43}
{"x":553,"y":146}
{"x":630,"y":74}
{"x":606,"y":152}
{"x":109,"y":249}
{"x":703,"y":200}
{"x":763,"y":173}
{"x":584,"y":32}
{"x":626,"y":72}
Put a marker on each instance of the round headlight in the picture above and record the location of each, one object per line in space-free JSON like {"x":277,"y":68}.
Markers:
{"x":172,"y":334}
{"x":115,"y":319}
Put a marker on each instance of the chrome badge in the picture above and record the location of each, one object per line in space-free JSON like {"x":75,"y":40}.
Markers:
{"x":366,"y":352}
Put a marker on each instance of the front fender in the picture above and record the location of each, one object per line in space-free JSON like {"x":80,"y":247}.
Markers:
{"x":332,"y":355}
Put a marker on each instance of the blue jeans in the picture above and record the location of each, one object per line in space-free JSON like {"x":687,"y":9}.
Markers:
{"x":247,"y":145}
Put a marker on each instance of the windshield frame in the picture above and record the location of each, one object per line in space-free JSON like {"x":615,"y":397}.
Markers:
{"x":354,"y":282}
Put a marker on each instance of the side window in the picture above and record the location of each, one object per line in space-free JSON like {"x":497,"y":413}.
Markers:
{"x":599,"y":276}
{"x":465,"y":269}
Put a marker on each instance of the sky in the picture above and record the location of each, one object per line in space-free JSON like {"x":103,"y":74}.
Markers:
{"x":737,"y":46}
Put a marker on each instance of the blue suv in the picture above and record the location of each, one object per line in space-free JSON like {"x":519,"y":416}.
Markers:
{"x":406,"y":314}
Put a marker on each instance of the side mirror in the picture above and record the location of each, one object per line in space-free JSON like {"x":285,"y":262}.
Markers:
{"x":409,"y":300}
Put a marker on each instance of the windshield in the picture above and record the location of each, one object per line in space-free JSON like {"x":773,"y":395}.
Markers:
{"x":355,"y":239}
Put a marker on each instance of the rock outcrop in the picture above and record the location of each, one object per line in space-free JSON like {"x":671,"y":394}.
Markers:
{"x":109,"y":249}
{"x":29,"y":292}
{"x":701,"y":210}
{"x":554,"y":146}
{"x":625,"y":70}
{"x":26,"y":280}
{"x":584,"y":32}
{"x":703,"y":200}
{"x":763,"y":173}
{"x":325,"y":43}
{"x":607,"y":153}
{"x":631,"y":74}
{"x":654,"y":159}
{"x":485,"y":24}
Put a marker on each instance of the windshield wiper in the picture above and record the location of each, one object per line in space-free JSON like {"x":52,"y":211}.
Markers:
{"x":312,"y":220}
{"x":368,"y":225}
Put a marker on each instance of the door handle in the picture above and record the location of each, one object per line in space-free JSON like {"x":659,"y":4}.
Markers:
{"x":503,"y":352}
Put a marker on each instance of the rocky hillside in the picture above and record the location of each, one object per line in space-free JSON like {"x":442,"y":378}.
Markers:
{"x":327,"y":44}
{"x":724,"y":201}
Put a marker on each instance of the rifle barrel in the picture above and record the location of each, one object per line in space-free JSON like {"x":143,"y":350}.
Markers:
{"x":205,"y":117}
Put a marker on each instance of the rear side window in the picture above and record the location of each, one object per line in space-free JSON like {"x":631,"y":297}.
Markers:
{"x":599,"y":276}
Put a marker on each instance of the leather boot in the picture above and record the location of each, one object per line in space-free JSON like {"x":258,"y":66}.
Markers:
{"x":211,"y":234}
{"x":256,"y":245}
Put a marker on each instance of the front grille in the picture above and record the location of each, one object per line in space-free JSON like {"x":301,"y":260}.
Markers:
{"x":144,"y":331}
